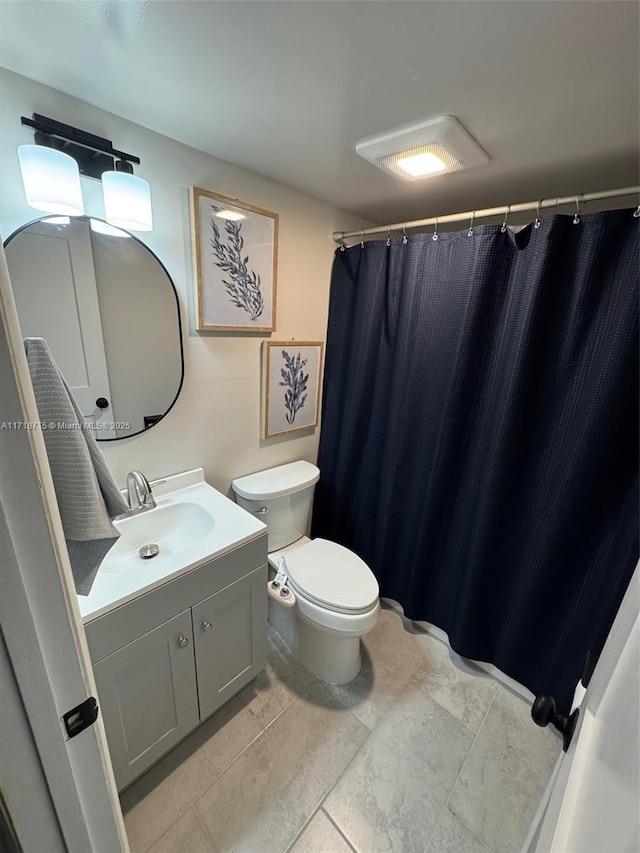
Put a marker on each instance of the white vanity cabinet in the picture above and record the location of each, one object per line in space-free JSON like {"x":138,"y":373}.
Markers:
{"x":169,"y":658}
{"x":229,"y":629}
{"x":148,"y":696}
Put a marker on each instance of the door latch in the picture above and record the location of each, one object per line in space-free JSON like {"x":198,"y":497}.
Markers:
{"x":81,"y":717}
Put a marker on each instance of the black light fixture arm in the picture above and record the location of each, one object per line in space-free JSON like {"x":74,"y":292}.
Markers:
{"x":94,"y":154}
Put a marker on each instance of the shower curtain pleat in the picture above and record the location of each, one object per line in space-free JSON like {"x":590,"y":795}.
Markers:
{"x":479,"y":444}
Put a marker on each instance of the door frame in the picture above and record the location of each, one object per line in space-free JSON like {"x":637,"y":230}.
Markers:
{"x":25,"y":797}
{"x":40,"y":621}
{"x":562,"y":814}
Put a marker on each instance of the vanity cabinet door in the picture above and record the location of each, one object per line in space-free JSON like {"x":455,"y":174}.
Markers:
{"x":148,"y":696}
{"x":230,"y":631}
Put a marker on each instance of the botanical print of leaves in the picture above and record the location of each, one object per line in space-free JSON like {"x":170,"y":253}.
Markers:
{"x":295,"y":381}
{"x":241,"y":283}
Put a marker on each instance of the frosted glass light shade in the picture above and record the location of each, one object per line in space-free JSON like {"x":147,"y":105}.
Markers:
{"x":127,"y":201}
{"x":51,"y":180}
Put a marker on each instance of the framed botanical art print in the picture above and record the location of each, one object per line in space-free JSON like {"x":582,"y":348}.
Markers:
{"x":291,"y":374}
{"x":235,"y":250}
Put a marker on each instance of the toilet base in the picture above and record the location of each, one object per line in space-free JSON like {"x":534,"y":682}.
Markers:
{"x":329,"y":655}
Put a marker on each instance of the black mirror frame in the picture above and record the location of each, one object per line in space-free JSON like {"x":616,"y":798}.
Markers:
{"x":175,"y":294}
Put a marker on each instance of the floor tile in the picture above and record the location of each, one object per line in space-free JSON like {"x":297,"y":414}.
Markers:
{"x":390,"y":797}
{"x":452,"y":836}
{"x":153,"y":803}
{"x":187,"y":835}
{"x":283,"y":681}
{"x":390,"y":656}
{"x":263,"y":800}
{"x":321,"y":836}
{"x":503,"y":780}
{"x":465,"y":695}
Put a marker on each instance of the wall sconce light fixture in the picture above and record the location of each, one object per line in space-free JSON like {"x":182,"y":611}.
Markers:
{"x":51,"y":170}
{"x":127,"y":199}
{"x":51,"y":180}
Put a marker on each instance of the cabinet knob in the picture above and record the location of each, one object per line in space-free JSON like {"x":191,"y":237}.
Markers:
{"x":182,"y":642}
{"x":206,"y":625}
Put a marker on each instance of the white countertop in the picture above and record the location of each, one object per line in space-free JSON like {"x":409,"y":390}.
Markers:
{"x":124,"y":577}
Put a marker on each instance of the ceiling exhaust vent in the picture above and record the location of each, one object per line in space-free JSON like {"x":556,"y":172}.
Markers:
{"x":418,"y":151}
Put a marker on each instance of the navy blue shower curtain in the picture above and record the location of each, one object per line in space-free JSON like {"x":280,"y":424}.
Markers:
{"x":479,"y":444}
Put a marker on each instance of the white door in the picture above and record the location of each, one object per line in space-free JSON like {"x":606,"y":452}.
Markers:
{"x":66,"y":313}
{"x":47,"y":659}
{"x":592,"y":803}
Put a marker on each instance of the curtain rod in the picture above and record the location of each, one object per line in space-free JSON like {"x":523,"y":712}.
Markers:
{"x":472,"y":215}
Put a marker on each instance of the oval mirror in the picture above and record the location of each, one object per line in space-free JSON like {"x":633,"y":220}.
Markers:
{"x":110,"y":314}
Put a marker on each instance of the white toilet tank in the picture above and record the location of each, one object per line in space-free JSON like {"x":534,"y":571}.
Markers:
{"x":282,"y":498}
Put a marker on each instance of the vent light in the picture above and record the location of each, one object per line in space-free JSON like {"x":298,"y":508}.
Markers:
{"x":417,"y":151}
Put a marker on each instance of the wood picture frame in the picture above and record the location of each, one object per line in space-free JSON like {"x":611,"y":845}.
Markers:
{"x":235,"y":256}
{"x":291,"y":385}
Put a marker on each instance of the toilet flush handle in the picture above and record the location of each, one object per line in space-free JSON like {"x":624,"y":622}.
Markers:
{"x":261,"y":511}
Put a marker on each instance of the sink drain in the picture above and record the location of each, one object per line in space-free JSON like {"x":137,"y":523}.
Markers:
{"x":148,"y":552}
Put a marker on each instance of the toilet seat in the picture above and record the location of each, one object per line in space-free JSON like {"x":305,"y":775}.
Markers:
{"x":332,"y":577}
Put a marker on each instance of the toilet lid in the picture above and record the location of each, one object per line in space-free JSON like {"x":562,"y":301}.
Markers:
{"x":332,"y":576}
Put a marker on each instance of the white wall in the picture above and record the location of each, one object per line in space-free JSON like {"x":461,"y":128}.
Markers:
{"x":216,"y":421}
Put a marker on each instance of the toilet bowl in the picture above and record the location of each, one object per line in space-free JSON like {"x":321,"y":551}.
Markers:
{"x":336,"y":593}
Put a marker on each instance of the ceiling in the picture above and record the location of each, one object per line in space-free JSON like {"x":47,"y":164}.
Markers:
{"x":549,"y":89}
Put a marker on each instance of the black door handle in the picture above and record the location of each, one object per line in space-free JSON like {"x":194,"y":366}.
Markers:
{"x":102,"y":403}
{"x":544,"y":711}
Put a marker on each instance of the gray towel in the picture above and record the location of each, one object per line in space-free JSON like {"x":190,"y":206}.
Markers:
{"x":87,"y":494}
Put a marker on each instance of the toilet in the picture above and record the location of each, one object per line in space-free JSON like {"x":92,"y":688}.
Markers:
{"x":336,"y":593}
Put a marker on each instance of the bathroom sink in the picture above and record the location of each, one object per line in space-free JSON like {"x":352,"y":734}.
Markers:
{"x":171,"y":528}
{"x":191,"y":524}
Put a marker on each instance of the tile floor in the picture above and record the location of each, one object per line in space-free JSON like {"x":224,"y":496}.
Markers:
{"x":414,"y":756}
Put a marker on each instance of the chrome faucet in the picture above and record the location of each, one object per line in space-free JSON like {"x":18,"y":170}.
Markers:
{"x":139,"y":492}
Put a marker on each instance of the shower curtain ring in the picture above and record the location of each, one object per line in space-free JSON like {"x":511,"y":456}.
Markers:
{"x":362,"y":239}
{"x":342,"y":245}
{"x":506,"y":214}
{"x":576,"y":218}
{"x":470,"y":231}
{"x":389,"y":236}
{"x":636,"y":213}
{"x":538,"y":221}
{"x":435,"y":230}
{"x":404,"y":231}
